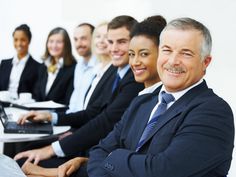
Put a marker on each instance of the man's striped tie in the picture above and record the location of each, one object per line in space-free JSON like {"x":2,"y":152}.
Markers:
{"x":165,"y":99}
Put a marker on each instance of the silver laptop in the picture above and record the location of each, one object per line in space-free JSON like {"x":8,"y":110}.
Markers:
{"x":29,"y":127}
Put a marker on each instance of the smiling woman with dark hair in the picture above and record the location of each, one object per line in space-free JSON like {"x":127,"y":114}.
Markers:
{"x":19,"y":74}
{"x":143,"y":51}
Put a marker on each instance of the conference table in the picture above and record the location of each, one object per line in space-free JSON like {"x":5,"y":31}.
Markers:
{"x":14,"y":114}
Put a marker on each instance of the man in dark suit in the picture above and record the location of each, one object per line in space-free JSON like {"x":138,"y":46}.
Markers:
{"x":115,"y":100}
{"x":183,"y":129}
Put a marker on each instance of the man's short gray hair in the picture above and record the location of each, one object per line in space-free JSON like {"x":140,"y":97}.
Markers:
{"x":191,"y":24}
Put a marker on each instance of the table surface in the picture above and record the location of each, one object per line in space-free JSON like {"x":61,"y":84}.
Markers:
{"x":14,"y":114}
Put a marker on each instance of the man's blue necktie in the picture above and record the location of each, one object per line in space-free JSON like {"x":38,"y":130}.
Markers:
{"x":116,"y":82}
{"x":165,"y":99}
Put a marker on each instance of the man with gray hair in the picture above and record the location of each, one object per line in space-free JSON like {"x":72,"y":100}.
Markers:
{"x":183,"y":128}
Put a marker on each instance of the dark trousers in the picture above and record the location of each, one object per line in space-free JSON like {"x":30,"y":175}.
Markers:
{"x":11,"y":149}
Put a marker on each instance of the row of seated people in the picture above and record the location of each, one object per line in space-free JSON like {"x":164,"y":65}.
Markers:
{"x":44,"y":81}
{"x":59,"y":70}
{"x":100,"y":94}
{"x":181,"y":142}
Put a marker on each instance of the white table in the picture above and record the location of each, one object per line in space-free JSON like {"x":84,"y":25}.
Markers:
{"x":15,"y":137}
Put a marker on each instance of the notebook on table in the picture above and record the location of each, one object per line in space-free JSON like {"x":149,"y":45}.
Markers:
{"x":42,"y":105}
{"x":28,"y":127}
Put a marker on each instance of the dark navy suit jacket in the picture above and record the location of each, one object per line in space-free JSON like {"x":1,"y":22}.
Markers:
{"x":28,"y":77}
{"x":193,"y":138}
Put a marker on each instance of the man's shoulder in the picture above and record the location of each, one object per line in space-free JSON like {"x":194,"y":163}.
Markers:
{"x":205,"y":98}
{"x":6,"y":61}
{"x":213,"y":99}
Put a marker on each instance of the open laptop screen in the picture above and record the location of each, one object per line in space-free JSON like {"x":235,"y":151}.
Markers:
{"x":3,"y":116}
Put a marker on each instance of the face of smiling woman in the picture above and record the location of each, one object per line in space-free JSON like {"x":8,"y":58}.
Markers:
{"x":56,"y":45}
{"x":179,"y":63}
{"x":100,"y":40}
{"x":142,"y":59}
{"x":21,"y":43}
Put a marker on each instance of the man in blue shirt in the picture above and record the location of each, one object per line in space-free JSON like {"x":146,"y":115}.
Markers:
{"x":84,"y":70}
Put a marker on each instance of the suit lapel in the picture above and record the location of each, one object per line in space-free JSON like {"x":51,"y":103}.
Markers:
{"x":44,"y":81}
{"x":26,"y":69}
{"x":57,"y":79}
{"x":109,"y":73}
{"x":7,"y":73}
{"x":122,"y":82}
{"x":143,"y":117}
{"x":178,"y":107}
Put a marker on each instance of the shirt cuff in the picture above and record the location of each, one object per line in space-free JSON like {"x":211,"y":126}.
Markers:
{"x":54,"y":118}
{"x":57,"y":149}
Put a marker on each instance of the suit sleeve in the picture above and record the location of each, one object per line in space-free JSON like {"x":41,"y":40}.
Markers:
{"x":104,"y":149}
{"x":203,"y":141}
{"x":79,"y":118}
{"x":97,"y":128}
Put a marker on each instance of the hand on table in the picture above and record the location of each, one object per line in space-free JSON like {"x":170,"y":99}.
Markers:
{"x":32,"y":170}
{"x":35,"y":116}
{"x":71,"y":166}
{"x":36,"y":155}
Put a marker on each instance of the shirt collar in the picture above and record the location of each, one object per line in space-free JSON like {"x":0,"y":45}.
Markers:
{"x":59,"y":64}
{"x":123,"y":71}
{"x":178,"y":94}
{"x":91,"y":63}
{"x":149,"y":89}
{"x":16,"y":60}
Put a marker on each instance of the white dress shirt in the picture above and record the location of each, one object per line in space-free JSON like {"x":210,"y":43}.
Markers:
{"x":18,"y":66}
{"x":52,"y":76}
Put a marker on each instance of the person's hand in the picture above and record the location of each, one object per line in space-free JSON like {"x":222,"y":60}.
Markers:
{"x":36,"y":155}
{"x":32,"y":170}
{"x":71,"y":166}
{"x":35,"y":116}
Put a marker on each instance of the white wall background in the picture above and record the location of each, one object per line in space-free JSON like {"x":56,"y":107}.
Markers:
{"x":43,"y":15}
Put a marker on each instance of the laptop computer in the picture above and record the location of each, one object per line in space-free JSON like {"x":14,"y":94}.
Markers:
{"x":29,"y":127}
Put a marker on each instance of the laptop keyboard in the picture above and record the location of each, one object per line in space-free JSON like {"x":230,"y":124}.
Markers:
{"x":22,"y":127}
